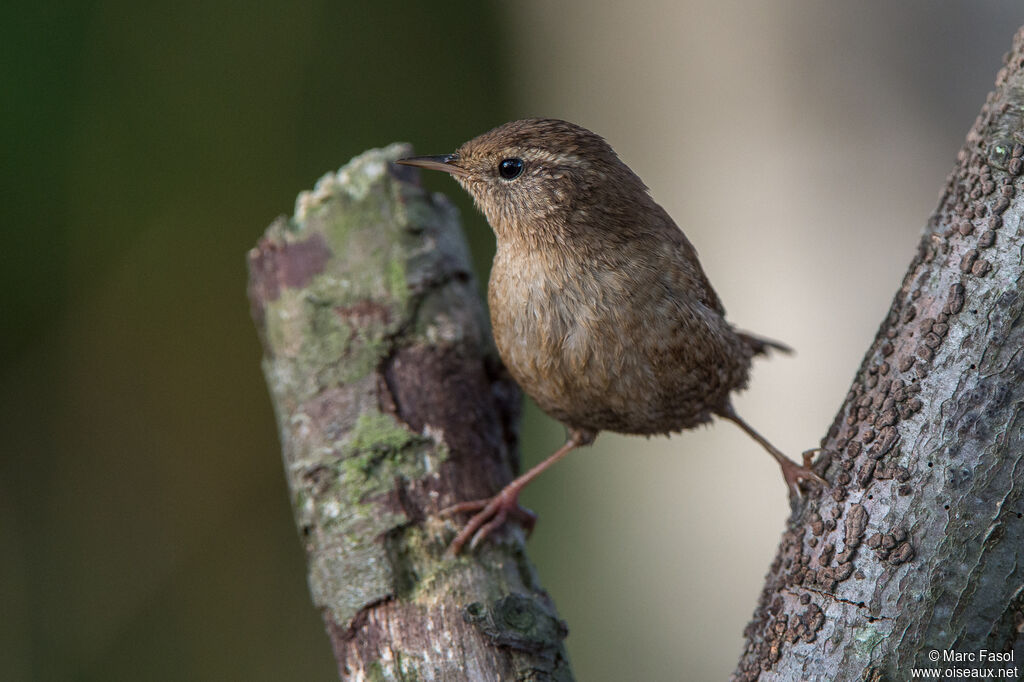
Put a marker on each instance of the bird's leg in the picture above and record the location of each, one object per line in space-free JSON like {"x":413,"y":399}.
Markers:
{"x":791,"y":471}
{"x":493,"y":512}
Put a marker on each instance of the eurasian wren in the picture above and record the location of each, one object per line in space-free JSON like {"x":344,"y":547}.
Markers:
{"x":601,"y":310}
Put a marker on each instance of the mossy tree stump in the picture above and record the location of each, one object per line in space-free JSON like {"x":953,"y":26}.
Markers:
{"x":391,"y":405}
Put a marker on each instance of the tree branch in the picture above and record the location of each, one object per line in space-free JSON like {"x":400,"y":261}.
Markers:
{"x":919,"y":546}
{"x":391,"y":405}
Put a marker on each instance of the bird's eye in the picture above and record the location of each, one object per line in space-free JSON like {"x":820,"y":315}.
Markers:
{"x":510,"y":169}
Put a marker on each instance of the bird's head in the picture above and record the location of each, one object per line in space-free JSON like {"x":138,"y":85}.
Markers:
{"x":540,"y":179}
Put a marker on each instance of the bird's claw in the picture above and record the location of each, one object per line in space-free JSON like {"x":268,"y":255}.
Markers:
{"x":795,"y":473}
{"x":490,"y":515}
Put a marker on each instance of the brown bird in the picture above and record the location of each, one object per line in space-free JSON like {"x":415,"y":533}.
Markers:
{"x":601,"y":310}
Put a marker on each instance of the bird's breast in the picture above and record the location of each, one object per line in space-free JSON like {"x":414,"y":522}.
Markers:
{"x":558,"y":330}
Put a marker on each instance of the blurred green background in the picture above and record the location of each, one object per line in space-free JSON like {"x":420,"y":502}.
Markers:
{"x":145,"y":532}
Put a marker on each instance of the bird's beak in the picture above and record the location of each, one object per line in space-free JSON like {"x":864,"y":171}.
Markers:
{"x":444,"y":162}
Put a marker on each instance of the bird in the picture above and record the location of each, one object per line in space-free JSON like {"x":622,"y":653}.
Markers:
{"x":599,"y":307}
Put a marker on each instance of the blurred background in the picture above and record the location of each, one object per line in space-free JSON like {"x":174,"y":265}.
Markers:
{"x":145,"y":532}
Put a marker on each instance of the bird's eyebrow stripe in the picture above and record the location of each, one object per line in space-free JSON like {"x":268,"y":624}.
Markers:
{"x":558,"y":158}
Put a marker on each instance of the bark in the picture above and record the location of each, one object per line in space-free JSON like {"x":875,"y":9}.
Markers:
{"x":919,"y":546}
{"x":392,"y":404}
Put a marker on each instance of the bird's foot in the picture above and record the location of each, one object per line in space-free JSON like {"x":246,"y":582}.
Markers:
{"x":795,"y":473}
{"x":491,"y":514}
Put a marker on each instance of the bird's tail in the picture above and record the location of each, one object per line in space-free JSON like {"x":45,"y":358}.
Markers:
{"x":761,"y":346}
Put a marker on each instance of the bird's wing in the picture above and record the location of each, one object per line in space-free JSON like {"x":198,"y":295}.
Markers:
{"x":680,"y":262}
